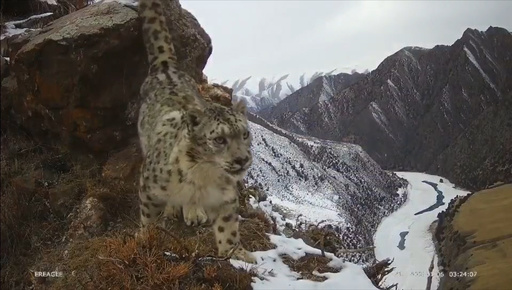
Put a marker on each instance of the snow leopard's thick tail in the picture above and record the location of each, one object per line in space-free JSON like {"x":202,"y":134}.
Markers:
{"x":157,"y":38}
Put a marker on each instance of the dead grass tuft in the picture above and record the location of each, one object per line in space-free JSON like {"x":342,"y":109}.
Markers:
{"x":27,"y":222}
{"x":128,"y":262}
{"x":378,"y":271}
{"x":308,"y":264}
{"x":44,"y":187}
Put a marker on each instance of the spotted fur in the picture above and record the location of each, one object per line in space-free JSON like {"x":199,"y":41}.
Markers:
{"x":195,"y":151}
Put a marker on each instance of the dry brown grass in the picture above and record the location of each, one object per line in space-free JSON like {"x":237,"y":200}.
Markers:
{"x":32,"y":232}
{"x":485,"y":220}
{"x":27,"y":223}
{"x":378,"y":271}
{"x":308,"y":264}
{"x":128,"y":262}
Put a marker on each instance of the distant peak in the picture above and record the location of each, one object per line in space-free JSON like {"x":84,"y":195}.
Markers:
{"x":471,"y":31}
{"x":493,"y":30}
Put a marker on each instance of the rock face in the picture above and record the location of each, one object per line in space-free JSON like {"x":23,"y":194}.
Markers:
{"x":474,"y":240}
{"x":482,"y":154}
{"x":420,"y":106}
{"x":79,"y":77}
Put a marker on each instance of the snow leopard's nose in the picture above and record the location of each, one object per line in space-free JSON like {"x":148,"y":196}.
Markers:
{"x":241,"y":161}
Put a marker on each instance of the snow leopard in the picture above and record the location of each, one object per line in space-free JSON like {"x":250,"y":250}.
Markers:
{"x":194,"y":151}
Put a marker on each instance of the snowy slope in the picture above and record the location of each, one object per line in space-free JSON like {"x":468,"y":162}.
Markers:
{"x":277,"y":275}
{"x":414,"y":253}
{"x":292,"y":180}
{"x":323,"y":180}
{"x":411,"y":263}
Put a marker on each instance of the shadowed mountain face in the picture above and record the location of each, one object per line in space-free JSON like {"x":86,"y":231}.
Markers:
{"x":438,"y":110}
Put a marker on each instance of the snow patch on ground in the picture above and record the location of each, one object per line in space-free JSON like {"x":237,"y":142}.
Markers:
{"x":326,"y":92}
{"x":394,"y":90}
{"x":412,"y":263}
{"x":496,"y":66}
{"x":475,"y":63}
{"x":397,"y":103}
{"x":124,"y":2}
{"x":417,"y":48}
{"x":445,"y":99}
{"x":351,"y":276}
{"x":51,"y":2}
{"x":465,"y":95}
{"x":275,"y":274}
{"x":379,"y":116}
{"x":414,"y":60}
{"x":10,"y":27}
{"x":279,"y":164}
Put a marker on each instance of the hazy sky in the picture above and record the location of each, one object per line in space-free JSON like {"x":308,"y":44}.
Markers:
{"x":271,"y":38}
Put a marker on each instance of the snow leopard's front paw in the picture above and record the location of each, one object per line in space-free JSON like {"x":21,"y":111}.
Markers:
{"x":240,"y":253}
{"x":172,"y":211}
{"x":194,"y":215}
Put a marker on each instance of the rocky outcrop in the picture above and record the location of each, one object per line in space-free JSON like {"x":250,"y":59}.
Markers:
{"x":79,"y":77}
{"x":474,"y":240}
{"x":418,"y":108}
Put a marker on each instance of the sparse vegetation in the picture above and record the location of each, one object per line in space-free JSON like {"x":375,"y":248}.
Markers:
{"x":377,"y":271}
{"x":308,"y":265}
{"x":161,"y":259}
{"x":35,"y":237}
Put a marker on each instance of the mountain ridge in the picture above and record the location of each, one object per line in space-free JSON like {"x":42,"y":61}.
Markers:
{"x":415,"y":104}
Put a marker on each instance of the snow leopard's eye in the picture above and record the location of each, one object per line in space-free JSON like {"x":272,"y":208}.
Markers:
{"x":220,"y":140}
{"x":245,"y":135}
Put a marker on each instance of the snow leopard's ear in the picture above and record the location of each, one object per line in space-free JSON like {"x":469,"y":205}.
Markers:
{"x":194,"y":117}
{"x":240,"y":106}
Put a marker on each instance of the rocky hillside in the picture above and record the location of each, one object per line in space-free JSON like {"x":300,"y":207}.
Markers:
{"x":324,"y":180}
{"x":474,"y":240}
{"x":422,"y":105}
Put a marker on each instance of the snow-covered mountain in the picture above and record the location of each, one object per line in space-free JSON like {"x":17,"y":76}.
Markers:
{"x":323,"y":180}
{"x":265,"y":93}
{"x":422,"y":110}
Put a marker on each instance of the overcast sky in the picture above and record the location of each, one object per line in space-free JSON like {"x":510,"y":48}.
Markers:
{"x":273,"y":38}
